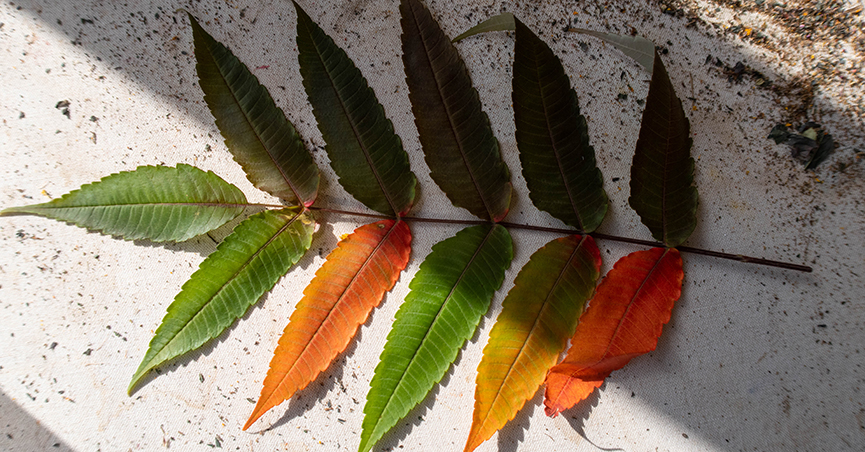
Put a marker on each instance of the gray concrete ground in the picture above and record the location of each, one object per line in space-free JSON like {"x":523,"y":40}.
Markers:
{"x":754,"y":358}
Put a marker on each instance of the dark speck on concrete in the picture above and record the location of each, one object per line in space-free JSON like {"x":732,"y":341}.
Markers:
{"x":63,"y":106}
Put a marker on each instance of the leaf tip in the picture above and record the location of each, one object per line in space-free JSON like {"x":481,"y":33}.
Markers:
{"x":252,"y":418}
{"x":300,"y":12}
{"x":265,"y":402}
{"x":134,"y":382}
{"x":473,"y":442}
{"x":146,"y":366}
{"x":192,"y":20}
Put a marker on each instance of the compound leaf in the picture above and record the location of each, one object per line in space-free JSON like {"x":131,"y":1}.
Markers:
{"x":244,"y":266}
{"x":624,"y":320}
{"x":352,"y":281}
{"x":662,"y":173}
{"x":457,"y":140}
{"x":256,"y":131}
{"x":537,"y":319}
{"x":158,"y":203}
{"x":364,"y":151}
{"x":449,"y":294}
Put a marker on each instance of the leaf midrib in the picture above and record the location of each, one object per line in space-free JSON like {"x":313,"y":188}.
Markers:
{"x":667,"y":143}
{"x":136,"y":204}
{"x":630,"y":305}
{"x":226,"y":283}
{"x":554,"y":143}
{"x":450,"y":116}
{"x":348,"y":117}
{"x":435,"y":319}
{"x":534,"y":326}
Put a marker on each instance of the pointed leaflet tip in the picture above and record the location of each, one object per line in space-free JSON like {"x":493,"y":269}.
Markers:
{"x":637,"y":47}
{"x":364,"y":151}
{"x":624,"y":320}
{"x":538,"y":316}
{"x":352,"y":281}
{"x":244,"y":267}
{"x":502,"y":22}
{"x":553,"y":138}
{"x":157,"y":203}
{"x":662,"y":173}
{"x":256,"y":131}
{"x":449,"y":294}
{"x":458,"y":143}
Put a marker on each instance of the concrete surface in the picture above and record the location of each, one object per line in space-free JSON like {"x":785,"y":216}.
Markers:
{"x":754,"y":358}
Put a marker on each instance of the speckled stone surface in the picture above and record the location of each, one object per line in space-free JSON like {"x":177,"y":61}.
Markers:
{"x":754,"y":358}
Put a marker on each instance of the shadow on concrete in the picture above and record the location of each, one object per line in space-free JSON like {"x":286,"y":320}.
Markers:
{"x":20,"y":432}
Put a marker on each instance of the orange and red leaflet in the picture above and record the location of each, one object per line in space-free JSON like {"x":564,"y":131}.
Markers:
{"x":352,"y":281}
{"x":622,"y":321}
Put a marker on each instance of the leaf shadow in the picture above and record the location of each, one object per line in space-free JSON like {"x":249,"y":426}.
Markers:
{"x":513,"y":434}
{"x":578,"y":416}
{"x":86,"y":24}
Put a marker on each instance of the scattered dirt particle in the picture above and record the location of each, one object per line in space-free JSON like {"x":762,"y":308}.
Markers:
{"x":63,"y":106}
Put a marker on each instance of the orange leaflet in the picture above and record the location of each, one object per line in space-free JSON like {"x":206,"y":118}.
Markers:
{"x":364,"y":266}
{"x":623,"y":320}
{"x":538,"y":316}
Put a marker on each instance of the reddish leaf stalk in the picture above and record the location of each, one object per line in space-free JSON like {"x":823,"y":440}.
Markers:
{"x":597,"y":235}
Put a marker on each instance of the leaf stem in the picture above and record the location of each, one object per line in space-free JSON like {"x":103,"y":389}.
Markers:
{"x":597,"y":235}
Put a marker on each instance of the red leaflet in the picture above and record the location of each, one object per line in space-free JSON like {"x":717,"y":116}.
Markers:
{"x":623,"y":320}
{"x":364,"y":266}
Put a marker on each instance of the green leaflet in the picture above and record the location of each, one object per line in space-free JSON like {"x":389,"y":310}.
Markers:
{"x":637,"y":47}
{"x":553,"y":138}
{"x":256,"y":131}
{"x":158,"y":203}
{"x":662,"y":174}
{"x":538,"y":317}
{"x":449,"y":294}
{"x":458,"y":142}
{"x":364,"y":151}
{"x":244,"y":266}
{"x":502,"y":22}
